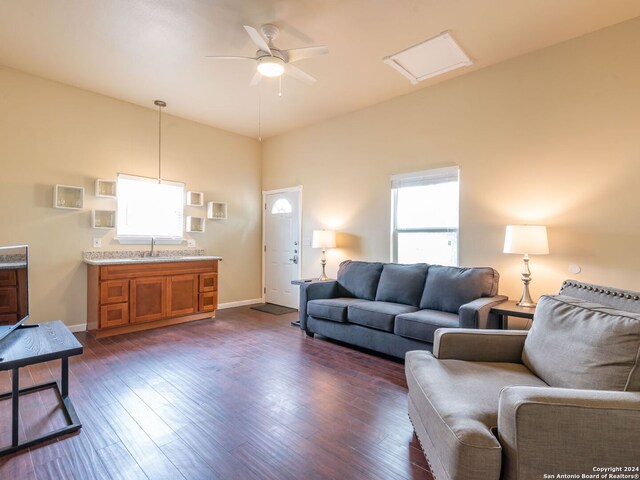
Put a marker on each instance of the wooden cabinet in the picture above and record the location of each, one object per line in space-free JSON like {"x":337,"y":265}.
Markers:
{"x":130,"y":297}
{"x":13,"y":295}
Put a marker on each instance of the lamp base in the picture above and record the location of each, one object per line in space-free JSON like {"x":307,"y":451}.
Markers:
{"x":526,"y":300}
{"x":323,"y":261}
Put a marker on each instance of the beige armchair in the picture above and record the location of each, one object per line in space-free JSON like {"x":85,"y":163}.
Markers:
{"x":563,"y":398}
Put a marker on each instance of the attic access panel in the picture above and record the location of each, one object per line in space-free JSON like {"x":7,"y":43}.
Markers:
{"x":430,"y":58}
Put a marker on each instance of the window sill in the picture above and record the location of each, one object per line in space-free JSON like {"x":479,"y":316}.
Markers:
{"x":147,"y":240}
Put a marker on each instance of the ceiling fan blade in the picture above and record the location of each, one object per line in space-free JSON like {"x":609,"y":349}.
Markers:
{"x":296,"y":54}
{"x":255,"y":80}
{"x":257,"y":39}
{"x":298,"y":74}
{"x":228,"y":57}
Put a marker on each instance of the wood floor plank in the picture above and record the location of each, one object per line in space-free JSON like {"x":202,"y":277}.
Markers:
{"x":243,"y":396}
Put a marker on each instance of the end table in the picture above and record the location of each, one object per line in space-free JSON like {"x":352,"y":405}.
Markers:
{"x":510,"y":308}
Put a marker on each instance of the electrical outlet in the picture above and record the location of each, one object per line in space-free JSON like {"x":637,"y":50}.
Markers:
{"x":97,"y":242}
{"x":191,"y":242}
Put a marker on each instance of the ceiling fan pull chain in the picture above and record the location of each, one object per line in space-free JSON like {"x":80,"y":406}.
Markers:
{"x":280,"y":86}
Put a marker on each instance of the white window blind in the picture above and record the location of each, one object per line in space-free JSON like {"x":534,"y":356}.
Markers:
{"x":148,"y":208}
{"x":425,"y":216}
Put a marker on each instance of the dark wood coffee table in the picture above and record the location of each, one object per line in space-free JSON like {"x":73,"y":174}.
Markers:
{"x":28,"y":346}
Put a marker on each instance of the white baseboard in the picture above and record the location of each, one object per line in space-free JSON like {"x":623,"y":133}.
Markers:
{"x":241,"y":303}
{"x":80,"y":327}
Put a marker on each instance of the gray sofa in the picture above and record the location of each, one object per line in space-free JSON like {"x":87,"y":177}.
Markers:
{"x":563,"y":398}
{"x":393,"y":308}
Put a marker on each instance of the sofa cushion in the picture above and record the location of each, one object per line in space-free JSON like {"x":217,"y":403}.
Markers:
{"x":422,"y":325}
{"x":578,"y":344}
{"x":359,"y":279}
{"x":447,"y":288}
{"x":402,"y":283}
{"x":334,"y":309}
{"x":378,"y":315}
{"x":457,"y":402}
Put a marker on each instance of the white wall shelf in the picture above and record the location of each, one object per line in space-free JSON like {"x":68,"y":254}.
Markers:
{"x":105,"y":188}
{"x":104,"y":219}
{"x":195,"y":224}
{"x":217,"y":210}
{"x":195,"y":199}
{"x":68,"y":197}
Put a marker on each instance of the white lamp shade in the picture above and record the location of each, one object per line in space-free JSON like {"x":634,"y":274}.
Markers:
{"x":324,"y":239}
{"x":529,"y":239}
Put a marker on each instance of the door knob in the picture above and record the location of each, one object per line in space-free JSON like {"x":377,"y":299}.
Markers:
{"x":294,"y":259}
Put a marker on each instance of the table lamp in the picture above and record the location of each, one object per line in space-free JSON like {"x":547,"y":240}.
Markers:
{"x":323,"y":239}
{"x":526,"y":240}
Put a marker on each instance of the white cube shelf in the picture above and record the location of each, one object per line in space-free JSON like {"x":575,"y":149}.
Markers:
{"x":217,"y":210}
{"x":105,"y":219}
{"x":195,"y":199}
{"x":106,"y":188}
{"x":195,"y":224}
{"x":68,"y":197}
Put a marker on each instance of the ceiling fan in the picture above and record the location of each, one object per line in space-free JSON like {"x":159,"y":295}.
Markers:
{"x":273,"y":62}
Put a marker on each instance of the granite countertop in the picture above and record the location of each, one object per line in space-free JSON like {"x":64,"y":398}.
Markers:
{"x":13,"y":265}
{"x":141,"y":256}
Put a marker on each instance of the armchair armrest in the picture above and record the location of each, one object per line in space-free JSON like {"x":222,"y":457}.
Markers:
{"x":560,"y":430}
{"x":475,"y":314}
{"x":479,"y":345}
{"x":314,"y":291}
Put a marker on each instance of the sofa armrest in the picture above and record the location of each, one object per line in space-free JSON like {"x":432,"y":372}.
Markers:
{"x":314,"y":291}
{"x":479,"y":345}
{"x":475,"y":314}
{"x":561,"y":430}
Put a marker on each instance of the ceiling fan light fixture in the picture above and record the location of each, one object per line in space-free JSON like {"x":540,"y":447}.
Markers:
{"x":270,"y":66}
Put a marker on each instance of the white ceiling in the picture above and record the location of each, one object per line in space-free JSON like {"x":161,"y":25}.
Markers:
{"x":140,"y":50}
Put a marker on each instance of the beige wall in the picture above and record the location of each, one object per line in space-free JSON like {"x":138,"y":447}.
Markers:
{"x":51,"y":133}
{"x":552,"y":137}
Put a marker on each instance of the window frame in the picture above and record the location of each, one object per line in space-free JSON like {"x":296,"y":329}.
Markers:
{"x":422,"y":178}
{"x":144,"y":239}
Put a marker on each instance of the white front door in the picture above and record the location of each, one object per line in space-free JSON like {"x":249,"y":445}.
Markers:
{"x":282,"y":247}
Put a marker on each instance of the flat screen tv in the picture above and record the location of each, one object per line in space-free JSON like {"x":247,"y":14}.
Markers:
{"x":14,"y":288}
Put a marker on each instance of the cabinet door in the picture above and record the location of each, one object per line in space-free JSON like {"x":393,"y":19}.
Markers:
{"x":147,"y":299}
{"x":208,"y":282}
{"x":7,"y":277}
{"x":182,"y":295}
{"x":114,"y":315}
{"x":114,"y":291}
{"x":8,"y":300}
{"x":208,"y":302}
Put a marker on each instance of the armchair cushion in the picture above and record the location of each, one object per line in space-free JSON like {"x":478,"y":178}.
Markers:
{"x":378,"y":315}
{"x":334,"y":309}
{"x":402,"y":283}
{"x":578,"y":344}
{"x":448,"y":288}
{"x":459,"y":403}
{"x":359,"y":279}
{"x":423,"y":324}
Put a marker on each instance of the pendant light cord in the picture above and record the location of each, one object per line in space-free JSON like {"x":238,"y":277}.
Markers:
{"x":160,"y":104}
{"x":159,"y":143}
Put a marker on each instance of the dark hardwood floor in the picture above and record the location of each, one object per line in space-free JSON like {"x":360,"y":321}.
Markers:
{"x":243,"y":396}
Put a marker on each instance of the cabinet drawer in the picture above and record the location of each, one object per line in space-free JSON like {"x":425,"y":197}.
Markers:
{"x":208,"y":302}
{"x":114,"y":315}
{"x":114,"y":291}
{"x":7,"y":278}
{"x":208,"y":282}
{"x":8,"y":318}
{"x":8,"y":300}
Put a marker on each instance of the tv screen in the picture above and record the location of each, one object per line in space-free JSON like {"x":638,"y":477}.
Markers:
{"x":14,"y":288}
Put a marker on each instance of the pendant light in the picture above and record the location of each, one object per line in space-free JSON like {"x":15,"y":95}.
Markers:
{"x":160,"y":104}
